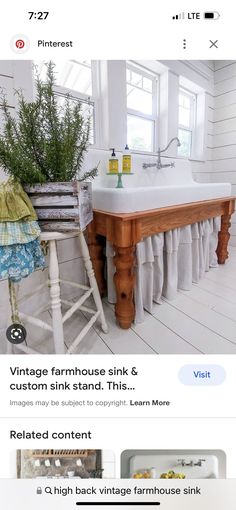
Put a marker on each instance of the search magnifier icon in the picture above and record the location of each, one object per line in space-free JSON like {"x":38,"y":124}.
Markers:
{"x":48,"y":490}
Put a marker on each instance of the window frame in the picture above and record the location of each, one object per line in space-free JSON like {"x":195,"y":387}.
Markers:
{"x":192,"y":124}
{"x":91,"y":100}
{"x":132,"y":66}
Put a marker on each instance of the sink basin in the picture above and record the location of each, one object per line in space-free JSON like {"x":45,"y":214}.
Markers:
{"x":142,"y":198}
{"x":170,"y":462}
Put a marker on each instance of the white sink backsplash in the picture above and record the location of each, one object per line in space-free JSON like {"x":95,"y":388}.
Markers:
{"x":148,"y":188}
{"x":181,"y":173}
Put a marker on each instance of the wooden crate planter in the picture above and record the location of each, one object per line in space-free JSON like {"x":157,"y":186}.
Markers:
{"x":62,"y":206}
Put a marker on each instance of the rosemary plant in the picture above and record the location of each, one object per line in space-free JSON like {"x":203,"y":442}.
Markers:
{"x":45,"y":140}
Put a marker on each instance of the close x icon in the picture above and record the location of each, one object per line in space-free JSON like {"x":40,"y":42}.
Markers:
{"x":213,"y":44}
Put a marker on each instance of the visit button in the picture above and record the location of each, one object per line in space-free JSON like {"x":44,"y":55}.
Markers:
{"x":202,"y":375}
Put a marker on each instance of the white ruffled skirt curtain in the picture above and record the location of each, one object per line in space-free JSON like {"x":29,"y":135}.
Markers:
{"x":167,"y":262}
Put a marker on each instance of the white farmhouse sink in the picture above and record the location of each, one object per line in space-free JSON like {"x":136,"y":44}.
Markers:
{"x":171,"y":462}
{"x":142,"y":198}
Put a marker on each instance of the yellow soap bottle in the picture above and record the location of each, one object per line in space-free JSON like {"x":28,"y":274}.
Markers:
{"x":113,"y":163}
{"x":126,"y":161}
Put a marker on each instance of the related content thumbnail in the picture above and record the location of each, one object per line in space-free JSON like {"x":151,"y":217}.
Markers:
{"x":59,"y":464}
{"x":173,"y":464}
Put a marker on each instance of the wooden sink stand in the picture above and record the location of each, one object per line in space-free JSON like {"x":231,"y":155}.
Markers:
{"x":124,"y":231}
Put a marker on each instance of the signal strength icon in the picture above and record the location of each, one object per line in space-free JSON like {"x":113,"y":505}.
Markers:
{"x":181,"y":15}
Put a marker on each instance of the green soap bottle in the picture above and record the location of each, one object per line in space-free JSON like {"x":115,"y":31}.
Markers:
{"x":113,"y":163}
{"x":126,"y":161}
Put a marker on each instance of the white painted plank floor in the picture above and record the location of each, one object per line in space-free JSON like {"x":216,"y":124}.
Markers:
{"x":202,"y":320}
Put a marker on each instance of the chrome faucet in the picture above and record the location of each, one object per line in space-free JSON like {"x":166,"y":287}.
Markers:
{"x":183,"y":462}
{"x":159,"y":164}
{"x":199,"y":462}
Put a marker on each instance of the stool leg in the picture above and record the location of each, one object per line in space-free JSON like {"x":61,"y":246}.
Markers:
{"x":12,"y":311}
{"x":92,"y":281}
{"x":9,"y":345}
{"x":54,"y":286}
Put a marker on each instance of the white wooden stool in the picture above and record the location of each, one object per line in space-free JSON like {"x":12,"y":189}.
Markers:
{"x":53,"y":283}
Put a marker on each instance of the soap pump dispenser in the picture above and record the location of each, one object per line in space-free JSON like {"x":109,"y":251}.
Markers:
{"x":126,"y":161}
{"x":113,"y":163}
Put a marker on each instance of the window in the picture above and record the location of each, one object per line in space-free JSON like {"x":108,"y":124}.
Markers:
{"x":71,"y":74}
{"x":76,"y":79}
{"x":141,"y":87}
{"x":187,"y":106}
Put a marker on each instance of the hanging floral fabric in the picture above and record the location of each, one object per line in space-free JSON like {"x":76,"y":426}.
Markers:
{"x":20,"y":249}
{"x":20,"y":260}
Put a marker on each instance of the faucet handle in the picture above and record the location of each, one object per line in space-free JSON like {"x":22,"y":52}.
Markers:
{"x":172,"y":164}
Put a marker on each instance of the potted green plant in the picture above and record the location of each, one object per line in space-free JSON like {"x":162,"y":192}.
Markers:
{"x":43,"y":147}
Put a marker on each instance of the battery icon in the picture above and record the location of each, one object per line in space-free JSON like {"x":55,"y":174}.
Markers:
{"x":211,"y":15}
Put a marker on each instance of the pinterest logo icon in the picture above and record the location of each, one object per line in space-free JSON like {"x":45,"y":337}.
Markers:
{"x":20,"y":43}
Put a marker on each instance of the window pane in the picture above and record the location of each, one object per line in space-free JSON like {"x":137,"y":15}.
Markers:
{"x":140,"y":133}
{"x":128,"y":75}
{"x":75,"y":75}
{"x":185,"y":138}
{"x":181,"y":100}
{"x":147,"y":84}
{"x":184,"y":117}
{"x":139,"y":100}
{"x":185,"y":101}
{"x":136,"y":78}
{"x":139,"y":92}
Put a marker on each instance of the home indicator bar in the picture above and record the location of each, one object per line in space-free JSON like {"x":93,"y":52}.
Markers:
{"x":117,"y":503}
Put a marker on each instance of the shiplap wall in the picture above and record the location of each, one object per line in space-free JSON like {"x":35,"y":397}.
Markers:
{"x":200,"y":72}
{"x":223,"y":142}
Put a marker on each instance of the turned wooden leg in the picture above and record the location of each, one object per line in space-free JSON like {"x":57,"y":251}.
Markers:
{"x":96,"y":250}
{"x":223,"y":239}
{"x":124,"y":280}
{"x":92,"y":280}
{"x":55,"y":298}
